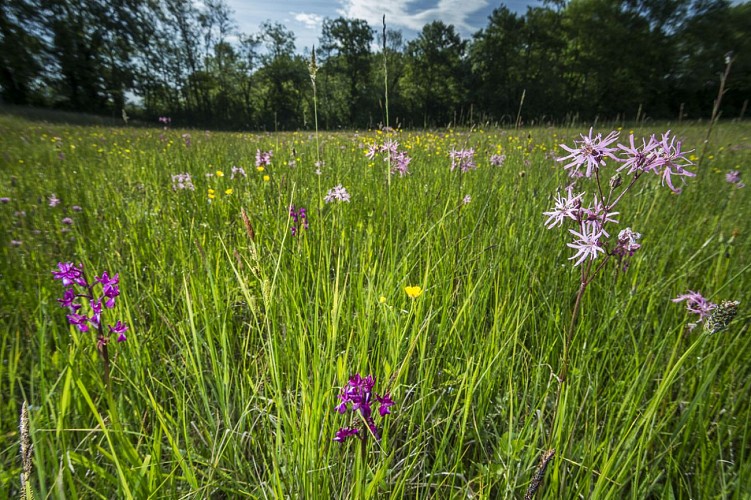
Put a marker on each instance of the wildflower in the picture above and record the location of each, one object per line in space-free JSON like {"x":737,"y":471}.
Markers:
{"x":466,"y":200}
{"x":638,"y":158}
{"x":96,"y":309}
{"x":696,"y":304}
{"x":299,"y":218}
{"x":384,"y":403}
{"x":599,"y":214}
{"x":110,"y":288}
{"x":662,"y":157}
{"x":4,"y":200}
{"x":381,"y":299}
{"x":263,"y":158}
{"x":212,"y":194}
{"x":16,"y":243}
{"x":358,"y":396}
{"x":671,"y":160}
{"x":165,"y":120}
{"x":399,"y":160}
{"x":228,"y":191}
{"x":219,"y":173}
{"x":497,"y":160}
{"x":54,"y":200}
{"x":589,"y":151}
{"x":734,"y":177}
{"x":566,"y":207}
{"x":587,"y":243}
{"x":266,"y":178}
{"x":400,"y":163}
{"x":345,"y":432}
{"x":76,"y":208}
{"x":413,"y":291}
{"x":182,"y":181}
{"x":627,"y":244}
{"x":71,"y":276}
{"x":186,"y":139}
{"x":120,"y":330}
{"x":237,"y":172}
{"x":390,"y":146}
{"x":337,"y":193}
{"x":260,"y":168}
{"x":463,"y":159}
{"x":67,"y":301}
{"x":67,"y":221}
{"x":79,"y":320}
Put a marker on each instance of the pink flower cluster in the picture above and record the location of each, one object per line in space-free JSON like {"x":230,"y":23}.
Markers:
{"x":463,"y":159}
{"x":661,"y":156}
{"x":399,"y":160}
{"x":263,"y":158}
{"x":588,"y":158}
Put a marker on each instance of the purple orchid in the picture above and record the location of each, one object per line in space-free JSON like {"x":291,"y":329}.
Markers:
{"x":358,"y":396}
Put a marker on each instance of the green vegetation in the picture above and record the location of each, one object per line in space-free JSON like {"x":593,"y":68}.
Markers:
{"x":241,"y":334}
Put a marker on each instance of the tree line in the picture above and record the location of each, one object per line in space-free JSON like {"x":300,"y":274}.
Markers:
{"x":558,"y":61}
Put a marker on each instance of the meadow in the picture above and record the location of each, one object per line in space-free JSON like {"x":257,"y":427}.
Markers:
{"x":246,"y":318}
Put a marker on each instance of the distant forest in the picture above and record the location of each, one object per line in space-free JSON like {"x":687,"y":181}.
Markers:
{"x":612,"y":59}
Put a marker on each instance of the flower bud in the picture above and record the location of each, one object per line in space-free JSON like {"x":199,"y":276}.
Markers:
{"x":616,"y":181}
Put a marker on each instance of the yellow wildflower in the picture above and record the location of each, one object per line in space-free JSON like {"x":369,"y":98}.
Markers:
{"x":413,"y":291}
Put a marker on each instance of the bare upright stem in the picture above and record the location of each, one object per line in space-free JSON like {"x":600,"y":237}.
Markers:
{"x":385,"y":73}
{"x":106,"y":362}
{"x":313,"y":72}
{"x":729,"y":58}
{"x":570,"y":334}
{"x":388,"y":166}
{"x":519,"y":112}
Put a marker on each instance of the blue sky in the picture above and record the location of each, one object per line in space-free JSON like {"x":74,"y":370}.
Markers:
{"x":304,"y":18}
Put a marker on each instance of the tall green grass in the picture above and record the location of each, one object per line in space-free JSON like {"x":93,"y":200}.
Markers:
{"x":240,"y":339}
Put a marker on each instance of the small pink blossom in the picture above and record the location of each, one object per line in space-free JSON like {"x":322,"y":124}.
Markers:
{"x":696,"y":303}
{"x":586,"y":244}
{"x":590,"y":152}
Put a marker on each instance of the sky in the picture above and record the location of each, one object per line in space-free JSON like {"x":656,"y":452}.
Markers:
{"x":304,"y":17}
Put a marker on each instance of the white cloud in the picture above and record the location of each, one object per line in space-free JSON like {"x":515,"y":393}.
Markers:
{"x":397,"y":13}
{"x":307,"y":19}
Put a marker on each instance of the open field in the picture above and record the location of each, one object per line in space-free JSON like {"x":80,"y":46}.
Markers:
{"x":242,"y":332}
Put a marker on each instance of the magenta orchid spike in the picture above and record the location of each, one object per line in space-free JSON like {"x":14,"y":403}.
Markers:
{"x":358,"y":397}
